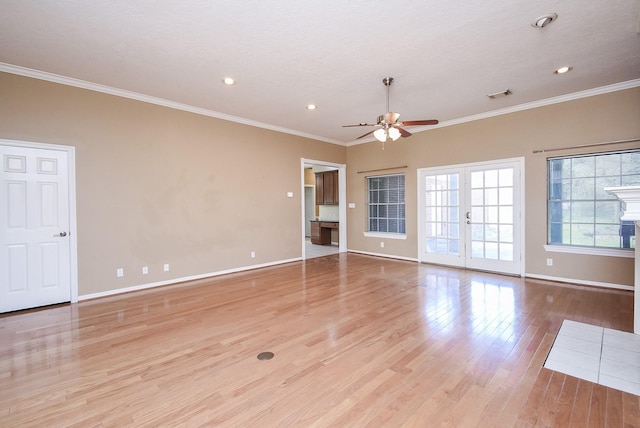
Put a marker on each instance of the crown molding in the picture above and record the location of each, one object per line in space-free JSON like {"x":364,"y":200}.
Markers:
{"x":69,"y":81}
{"x":56,"y":78}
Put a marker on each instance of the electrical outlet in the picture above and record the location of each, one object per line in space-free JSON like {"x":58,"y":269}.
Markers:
{"x":166,"y":267}
{"x":145,"y":270}
{"x":549,"y":262}
{"x":253,"y":254}
{"x":382,"y":245}
{"x":119,"y":272}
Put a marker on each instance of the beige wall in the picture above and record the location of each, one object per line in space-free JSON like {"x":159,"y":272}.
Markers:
{"x":309,"y":177}
{"x":156,"y":185}
{"x":609,"y":117}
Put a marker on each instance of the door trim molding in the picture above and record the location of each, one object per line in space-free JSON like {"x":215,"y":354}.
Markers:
{"x":342,"y":200}
{"x":73,"y":228}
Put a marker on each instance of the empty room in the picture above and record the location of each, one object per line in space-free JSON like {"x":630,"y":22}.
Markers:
{"x":294,"y":214}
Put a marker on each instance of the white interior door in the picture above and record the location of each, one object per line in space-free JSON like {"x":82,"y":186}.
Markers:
{"x":35,"y":221}
{"x":470,"y":216}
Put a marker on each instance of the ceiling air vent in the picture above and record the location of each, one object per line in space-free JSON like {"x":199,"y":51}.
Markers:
{"x":500,"y":94}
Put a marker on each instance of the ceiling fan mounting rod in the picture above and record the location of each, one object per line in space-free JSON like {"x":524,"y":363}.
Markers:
{"x":387,"y":82}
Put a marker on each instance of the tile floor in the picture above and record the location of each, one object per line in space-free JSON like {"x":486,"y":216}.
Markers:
{"x":312,"y":250}
{"x":600,"y":355}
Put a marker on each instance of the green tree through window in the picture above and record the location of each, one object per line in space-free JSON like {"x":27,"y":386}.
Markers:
{"x":580,"y":211}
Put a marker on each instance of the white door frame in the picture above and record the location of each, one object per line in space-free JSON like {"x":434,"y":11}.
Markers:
{"x":342,"y":201}
{"x":521,"y":196}
{"x":312,"y":200}
{"x":73,"y":240}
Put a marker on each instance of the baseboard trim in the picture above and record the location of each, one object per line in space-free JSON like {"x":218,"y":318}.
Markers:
{"x":580,"y":282}
{"x":388,"y":256}
{"x":183,"y":279}
{"x":280,"y":262}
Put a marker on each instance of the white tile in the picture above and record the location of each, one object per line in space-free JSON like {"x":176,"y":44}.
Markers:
{"x":581,"y":326}
{"x":582,"y":331}
{"x":577,"y":344}
{"x":595,"y":354}
{"x":578,"y":360}
{"x":620,"y":370}
{"x":572,"y":370}
{"x":625,"y":334}
{"x":621,"y":355}
{"x":620,"y":384}
{"x":622,"y":340}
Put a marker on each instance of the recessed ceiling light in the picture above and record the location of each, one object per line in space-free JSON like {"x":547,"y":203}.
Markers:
{"x":228,"y":81}
{"x":312,"y":107}
{"x":563,"y":70}
{"x":544,"y":20}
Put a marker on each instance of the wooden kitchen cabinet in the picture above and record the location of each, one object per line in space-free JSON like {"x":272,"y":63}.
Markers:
{"x":327,"y":188}
{"x":319,"y":188}
{"x":321,"y":231}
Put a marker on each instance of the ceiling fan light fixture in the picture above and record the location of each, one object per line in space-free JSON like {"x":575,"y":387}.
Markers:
{"x":381,"y":135}
{"x":388,"y":125}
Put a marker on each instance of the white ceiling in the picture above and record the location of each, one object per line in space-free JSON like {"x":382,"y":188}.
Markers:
{"x":445,"y":55}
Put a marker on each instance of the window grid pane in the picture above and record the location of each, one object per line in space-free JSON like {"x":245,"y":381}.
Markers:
{"x":579,"y":210}
{"x":442,"y":215}
{"x":386,"y":203}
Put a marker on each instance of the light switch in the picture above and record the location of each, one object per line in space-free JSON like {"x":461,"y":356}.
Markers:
{"x":289,"y":194}
{"x":352,"y":204}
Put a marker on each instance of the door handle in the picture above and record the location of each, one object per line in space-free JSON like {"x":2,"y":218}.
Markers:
{"x":468,"y":216}
{"x":62,"y":234}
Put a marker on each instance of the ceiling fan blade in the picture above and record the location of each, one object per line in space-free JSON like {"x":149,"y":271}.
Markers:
{"x":359,"y":124}
{"x":364,"y":135}
{"x":403,"y":132}
{"x":419,"y":122}
{"x":391,"y":117}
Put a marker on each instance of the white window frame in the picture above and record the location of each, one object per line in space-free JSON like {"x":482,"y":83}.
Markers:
{"x":583,"y":249}
{"x":386,"y":235}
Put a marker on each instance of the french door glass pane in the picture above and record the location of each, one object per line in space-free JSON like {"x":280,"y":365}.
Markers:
{"x":492,"y":214}
{"x":442,"y":214}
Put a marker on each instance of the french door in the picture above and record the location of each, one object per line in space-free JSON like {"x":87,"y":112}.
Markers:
{"x":470,"y":216}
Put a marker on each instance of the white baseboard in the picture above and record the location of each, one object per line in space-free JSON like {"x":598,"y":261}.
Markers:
{"x":580,"y":282}
{"x":388,"y":256}
{"x":279,"y":262}
{"x":184,"y":279}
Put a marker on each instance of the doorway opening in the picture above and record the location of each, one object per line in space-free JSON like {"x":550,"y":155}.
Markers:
{"x":323,"y":208}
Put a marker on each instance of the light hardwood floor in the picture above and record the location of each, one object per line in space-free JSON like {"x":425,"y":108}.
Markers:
{"x":358,"y":341}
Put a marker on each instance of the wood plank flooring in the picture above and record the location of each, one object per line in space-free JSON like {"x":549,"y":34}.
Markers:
{"x":358,"y":341}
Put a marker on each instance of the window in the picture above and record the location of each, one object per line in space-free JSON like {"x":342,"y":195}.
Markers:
{"x":580,"y":211}
{"x":385,"y":199}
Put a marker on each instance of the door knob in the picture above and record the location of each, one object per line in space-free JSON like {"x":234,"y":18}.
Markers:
{"x":63,"y":234}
